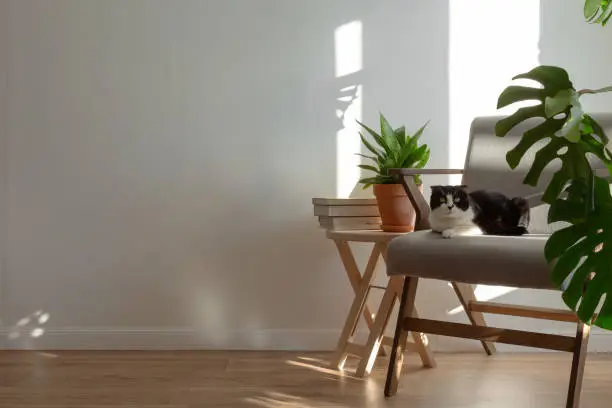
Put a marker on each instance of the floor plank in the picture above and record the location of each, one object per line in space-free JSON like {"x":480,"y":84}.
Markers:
{"x":194,"y":379}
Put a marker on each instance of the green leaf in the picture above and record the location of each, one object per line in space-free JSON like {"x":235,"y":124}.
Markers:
{"x":591,"y":7}
{"x":413,"y":158}
{"x":544,"y":130}
{"x":555,"y":187}
{"x":573,"y":292}
{"x":423,"y":161}
{"x":365,"y":156}
{"x":552,"y":78}
{"x":597,"y":11}
{"x":608,"y":13}
{"x":503,"y":126}
{"x":378,"y":138}
{"x":604,"y":318}
{"x":558,"y":103}
{"x":561,"y":240}
{"x":388,"y":134}
{"x":592,"y":127}
{"x":514,"y":94}
{"x":566,"y":265}
{"x":370,"y":147}
{"x":419,"y":132}
{"x":542,"y":159}
{"x":366,"y":167}
{"x":400,"y":135}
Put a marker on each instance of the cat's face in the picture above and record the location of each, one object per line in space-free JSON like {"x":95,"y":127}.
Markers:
{"x":451,"y":200}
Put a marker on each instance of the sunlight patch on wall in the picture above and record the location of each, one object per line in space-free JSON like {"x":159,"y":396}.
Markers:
{"x":490,"y":42}
{"x":349,"y":48}
{"x":348,"y":61}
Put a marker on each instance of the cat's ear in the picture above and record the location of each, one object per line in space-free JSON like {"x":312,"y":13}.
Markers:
{"x":436,"y":189}
{"x":463,"y":187}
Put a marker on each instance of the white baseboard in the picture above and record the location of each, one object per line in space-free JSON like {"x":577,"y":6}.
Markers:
{"x":190,"y":339}
{"x":169,"y":339}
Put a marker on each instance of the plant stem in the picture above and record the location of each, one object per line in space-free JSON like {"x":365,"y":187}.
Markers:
{"x":595,"y":91}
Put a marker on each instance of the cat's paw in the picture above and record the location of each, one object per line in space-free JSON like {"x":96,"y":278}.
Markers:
{"x":449,"y":233}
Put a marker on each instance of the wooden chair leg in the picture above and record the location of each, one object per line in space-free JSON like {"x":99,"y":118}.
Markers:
{"x":465,"y":293}
{"x":580,"y":353}
{"x":399,"y":340}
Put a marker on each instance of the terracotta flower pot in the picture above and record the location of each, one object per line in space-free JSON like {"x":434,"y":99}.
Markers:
{"x":396,"y":210}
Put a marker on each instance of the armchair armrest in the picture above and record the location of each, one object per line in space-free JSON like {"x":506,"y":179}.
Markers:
{"x":419,"y":202}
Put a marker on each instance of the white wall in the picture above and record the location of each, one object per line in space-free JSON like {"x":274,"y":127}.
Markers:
{"x":162,"y":155}
{"x":157,"y":158}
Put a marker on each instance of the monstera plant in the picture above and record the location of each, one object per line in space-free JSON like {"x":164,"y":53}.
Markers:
{"x":598,"y":11}
{"x":581,"y":253}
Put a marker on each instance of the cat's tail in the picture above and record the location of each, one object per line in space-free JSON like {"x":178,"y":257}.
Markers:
{"x":524,"y":218}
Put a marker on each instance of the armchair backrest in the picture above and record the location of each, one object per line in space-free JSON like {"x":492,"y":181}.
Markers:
{"x":486,"y":166}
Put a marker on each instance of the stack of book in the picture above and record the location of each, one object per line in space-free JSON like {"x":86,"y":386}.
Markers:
{"x":347,"y":213}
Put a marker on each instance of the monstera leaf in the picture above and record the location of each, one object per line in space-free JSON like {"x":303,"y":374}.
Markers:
{"x":598,"y":11}
{"x":581,"y":254}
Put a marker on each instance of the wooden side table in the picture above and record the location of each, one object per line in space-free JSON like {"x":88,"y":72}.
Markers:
{"x":377,"y":323}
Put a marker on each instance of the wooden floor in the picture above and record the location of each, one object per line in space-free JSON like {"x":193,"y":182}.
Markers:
{"x":268,"y":379}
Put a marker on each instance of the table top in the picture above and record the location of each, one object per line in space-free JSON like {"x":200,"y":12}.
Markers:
{"x":364,"y":235}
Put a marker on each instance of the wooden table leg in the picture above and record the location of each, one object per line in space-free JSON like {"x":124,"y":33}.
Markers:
{"x":358,"y":305}
{"x":350,"y":265}
{"x":377,"y":332}
{"x":393,"y":293}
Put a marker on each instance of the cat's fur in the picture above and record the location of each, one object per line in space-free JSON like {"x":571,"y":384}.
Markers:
{"x":454,"y":211}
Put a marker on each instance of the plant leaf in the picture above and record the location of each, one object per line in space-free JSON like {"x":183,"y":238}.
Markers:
{"x":552,"y":78}
{"x":366,"y":167}
{"x":388,"y":134}
{"x":369,"y":146}
{"x":378,"y":138}
{"x":365,"y":156}
{"x":558,"y":103}
{"x":504,"y":126}
{"x":514,"y":94}
{"x":591,"y":7}
{"x":531,"y":137}
{"x":580,"y":253}
{"x":418,"y":133}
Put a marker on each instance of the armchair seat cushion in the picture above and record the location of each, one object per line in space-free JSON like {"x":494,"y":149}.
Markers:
{"x":489,"y":260}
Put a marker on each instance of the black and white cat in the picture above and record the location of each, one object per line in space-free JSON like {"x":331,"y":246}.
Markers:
{"x":454,"y":211}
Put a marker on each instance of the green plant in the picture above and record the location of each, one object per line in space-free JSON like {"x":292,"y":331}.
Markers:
{"x":580,"y":254}
{"x":396,"y":149}
{"x":598,"y":11}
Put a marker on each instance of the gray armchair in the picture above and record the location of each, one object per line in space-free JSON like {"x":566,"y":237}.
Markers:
{"x":490,"y":260}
